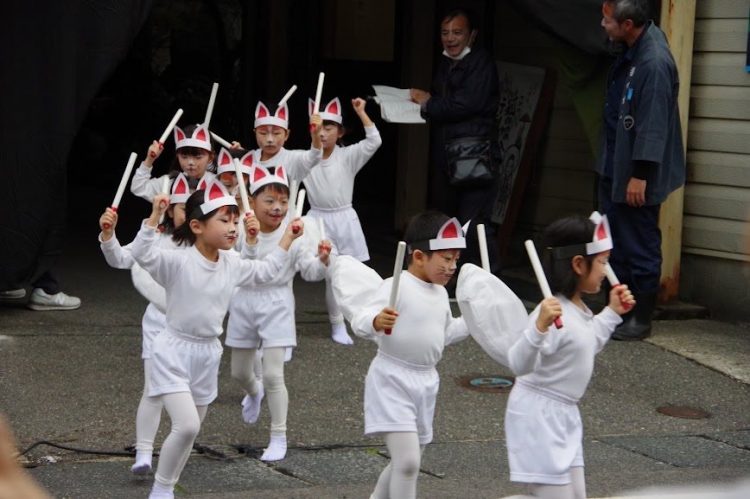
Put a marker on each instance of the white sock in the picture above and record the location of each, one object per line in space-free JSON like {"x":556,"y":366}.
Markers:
{"x":339,"y":334}
{"x":251,"y":405}
{"x":142,"y":464}
{"x":161,"y":491}
{"x":276,"y":450}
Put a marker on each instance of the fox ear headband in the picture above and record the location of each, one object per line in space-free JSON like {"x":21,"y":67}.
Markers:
{"x":264,"y":117}
{"x":602,"y":241}
{"x":450,"y":236}
{"x":332,"y":111}
{"x":215,"y":196}
{"x":200,"y":138}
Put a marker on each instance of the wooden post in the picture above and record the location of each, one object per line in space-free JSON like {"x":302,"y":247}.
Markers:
{"x":678,"y":23}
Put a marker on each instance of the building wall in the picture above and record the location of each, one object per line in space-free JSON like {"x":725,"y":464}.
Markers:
{"x":715,"y":245}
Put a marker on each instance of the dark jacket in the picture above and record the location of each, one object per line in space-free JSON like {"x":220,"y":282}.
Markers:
{"x":464,"y":97}
{"x":648,"y":122}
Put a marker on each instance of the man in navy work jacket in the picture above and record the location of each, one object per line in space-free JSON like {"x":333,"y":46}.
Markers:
{"x":642,"y":158}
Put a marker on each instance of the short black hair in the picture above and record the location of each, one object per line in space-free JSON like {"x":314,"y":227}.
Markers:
{"x":461,"y":12}
{"x":638,"y":11}
{"x":183,"y":235}
{"x":421,"y":228}
{"x":569,"y":231}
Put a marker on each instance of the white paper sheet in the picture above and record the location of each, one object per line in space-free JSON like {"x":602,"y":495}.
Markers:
{"x":396,"y":106}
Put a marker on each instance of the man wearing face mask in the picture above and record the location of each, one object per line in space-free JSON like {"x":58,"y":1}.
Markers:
{"x":461,"y":108}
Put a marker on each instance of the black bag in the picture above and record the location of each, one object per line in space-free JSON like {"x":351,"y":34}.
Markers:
{"x":472,"y":161}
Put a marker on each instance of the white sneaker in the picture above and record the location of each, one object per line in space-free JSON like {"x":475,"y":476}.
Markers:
{"x":12,"y":294}
{"x":60,"y":301}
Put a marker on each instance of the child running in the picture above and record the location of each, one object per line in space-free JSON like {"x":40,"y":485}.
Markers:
{"x":553,"y":366}
{"x":199,"y":282}
{"x":330,"y":188}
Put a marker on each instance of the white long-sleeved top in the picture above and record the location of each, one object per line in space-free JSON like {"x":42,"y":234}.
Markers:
{"x":120,"y":257}
{"x":562,"y":360}
{"x":330,"y":185}
{"x":296,"y":162}
{"x":425,"y":324}
{"x":199,"y":290}
{"x":146,"y":187}
{"x":303,"y":257}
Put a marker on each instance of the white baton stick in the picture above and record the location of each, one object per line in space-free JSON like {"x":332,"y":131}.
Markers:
{"x":614,"y":282}
{"x":221,"y":141}
{"x":164,"y":190}
{"x":243,"y":190}
{"x":322,"y":226}
{"x":319,"y":93}
{"x":483,"y":254}
{"x":211,"y":102}
{"x":398,"y":265}
{"x":540,"y":277}
{"x":287,"y":95}
{"x":171,"y":125}
{"x":124,"y":180}
{"x":298,"y":207}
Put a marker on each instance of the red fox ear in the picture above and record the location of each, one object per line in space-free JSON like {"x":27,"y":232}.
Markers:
{"x":201,"y":133}
{"x":282,"y":112}
{"x":224,"y":157}
{"x":247,"y":159}
{"x":261,"y":111}
{"x":281,"y":173}
{"x":179,"y":135}
{"x":258,"y":173}
{"x":334,"y":107}
{"x":180,"y":185}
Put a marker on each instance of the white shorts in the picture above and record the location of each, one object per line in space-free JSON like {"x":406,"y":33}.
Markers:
{"x":343,"y":230}
{"x":262,"y":317}
{"x":400,"y":397}
{"x":544,"y":436}
{"x":179,"y":364}
{"x":147,"y":344}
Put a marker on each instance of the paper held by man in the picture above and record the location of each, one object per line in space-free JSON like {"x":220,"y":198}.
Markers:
{"x":396,"y":106}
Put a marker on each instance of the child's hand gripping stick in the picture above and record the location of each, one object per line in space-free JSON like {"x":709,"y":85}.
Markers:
{"x":298,"y":208}
{"x":318,"y":95}
{"x":169,"y":128}
{"x":243,"y":191}
{"x":540,"y":277}
{"x":614,"y":282}
{"x":211,"y":102}
{"x":287,"y":95}
{"x":483,"y":254}
{"x":123,"y":182}
{"x":164,"y":190}
{"x":221,"y":141}
{"x":398,"y":265}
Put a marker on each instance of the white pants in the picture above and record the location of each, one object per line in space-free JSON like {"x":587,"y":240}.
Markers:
{"x":148,"y":417}
{"x":344,"y":230}
{"x":262,"y":316}
{"x":544,"y":435}
{"x":399,"y":478}
{"x":400,"y":397}
{"x":243,"y":370}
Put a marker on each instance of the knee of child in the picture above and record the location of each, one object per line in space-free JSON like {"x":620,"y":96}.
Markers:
{"x":242,"y":373}
{"x":406,"y":465}
{"x":273,"y":381}
{"x":188,"y":428}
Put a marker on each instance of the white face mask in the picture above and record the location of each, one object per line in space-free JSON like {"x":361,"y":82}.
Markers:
{"x":460,"y":56}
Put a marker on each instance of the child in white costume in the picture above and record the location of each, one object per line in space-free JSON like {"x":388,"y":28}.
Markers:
{"x":330,"y":188}
{"x":193,"y":155}
{"x":154,"y":321}
{"x":264,"y":315}
{"x":199,"y":283}
{"x":402,"y":383}
{"x":553,"y":366}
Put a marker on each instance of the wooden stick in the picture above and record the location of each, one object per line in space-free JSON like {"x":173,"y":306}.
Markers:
{"x":540,"y":277}
{"x":171,"y":125}
{"x":287,"y":95}
{"x":398,"y":265}
{"x":221,"y":141}
{"x":211,"y":102}
{"x":483,"y":253}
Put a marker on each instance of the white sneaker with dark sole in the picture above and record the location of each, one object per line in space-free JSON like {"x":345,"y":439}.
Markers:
{"x":59,"y":301}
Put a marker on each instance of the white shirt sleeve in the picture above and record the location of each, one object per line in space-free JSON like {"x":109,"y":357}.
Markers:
{"x":362,"y":320}
{"x":143,"y":186}
{"x":360,"y":153}
{"x":603,"y":324}
{"x":456,"y":331}
{"x":161,"y":264}
{"x":254,"y":272}
{"x":306,"y":260}
{"x":299,"y":163}
{"x":117,"y":257}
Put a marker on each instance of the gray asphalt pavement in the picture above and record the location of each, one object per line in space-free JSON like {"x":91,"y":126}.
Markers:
{"x":75,"y":378}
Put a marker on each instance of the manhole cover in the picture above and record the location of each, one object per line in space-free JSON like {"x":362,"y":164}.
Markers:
{"x":684,"y":412}
{"x":494,"y":383}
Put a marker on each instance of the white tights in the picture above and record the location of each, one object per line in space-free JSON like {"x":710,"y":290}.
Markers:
{"x":243,"y":370}
{"x":334,"y":311}
{"x":186,"y":423}
{"x":399,"y":479}
{"x":148,"y":416}
{"x":576,"y":489}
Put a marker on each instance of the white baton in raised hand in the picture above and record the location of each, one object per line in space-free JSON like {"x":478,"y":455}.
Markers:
{"x":614,"y":282}
{"x":540,"y":277}
{"x":398,"y":265}
{"x":171,"y":125}
{"x":483,"y":253}
{"x":211,"y":102}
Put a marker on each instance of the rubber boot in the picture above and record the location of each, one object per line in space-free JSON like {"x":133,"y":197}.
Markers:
{"x":636,"y":325}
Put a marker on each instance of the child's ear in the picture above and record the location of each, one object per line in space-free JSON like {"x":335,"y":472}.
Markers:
{"x":195,"y":226}
{"x":578,"y":264}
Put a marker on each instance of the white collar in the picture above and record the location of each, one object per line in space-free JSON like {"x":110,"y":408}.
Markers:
{"x":460,"y":56}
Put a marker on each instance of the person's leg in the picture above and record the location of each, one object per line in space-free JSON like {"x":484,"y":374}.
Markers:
{"x":146,"y":425}
{"x":186,"y":423}
{"x":399,"y":478}
{"x":578,"y":482}
{"x":243,"y":370}
{"x":336,"y":318}
{"x":46,"y":295}
{"x":278,"y":402}
{"x":542,"y":491}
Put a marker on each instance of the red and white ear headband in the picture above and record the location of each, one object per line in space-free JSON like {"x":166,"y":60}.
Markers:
{"x":225,"y":162}
{"x":200,"y":138}
{"x":602,"y":236}
{"x":215,"y":196}
{"x":260,"y":176}
{"x":264,"y":117}
{"x":450,"y":236}
{"x":332,"y":111}
{"x":180,"y":190}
